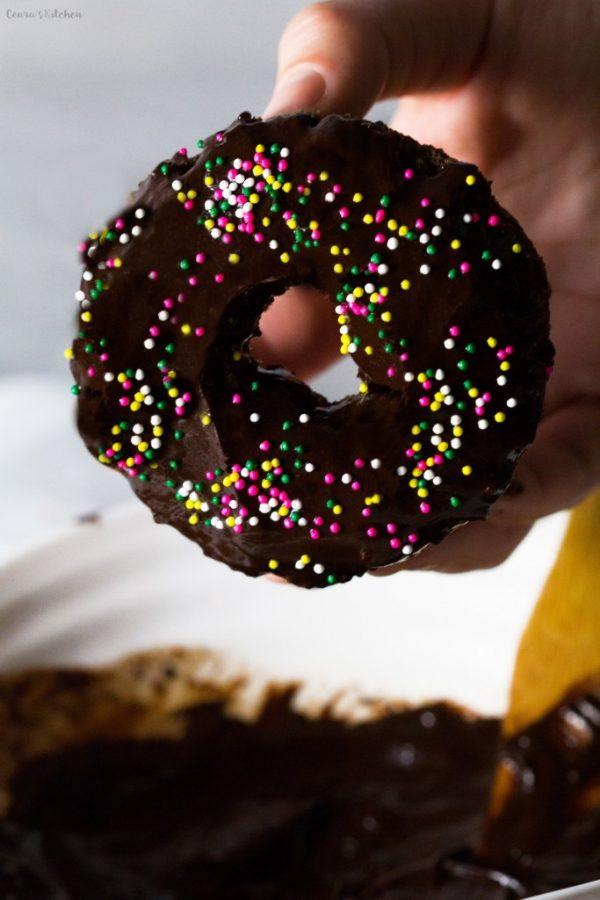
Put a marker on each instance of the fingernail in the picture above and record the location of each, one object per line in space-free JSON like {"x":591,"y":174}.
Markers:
{"x":300,"y":88}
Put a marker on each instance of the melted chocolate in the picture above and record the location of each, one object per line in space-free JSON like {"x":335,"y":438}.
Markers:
{"x":441,"y":300}
{"x":290,"y":808}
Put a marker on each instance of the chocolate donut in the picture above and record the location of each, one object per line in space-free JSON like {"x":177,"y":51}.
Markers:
{"x":440,"y":298}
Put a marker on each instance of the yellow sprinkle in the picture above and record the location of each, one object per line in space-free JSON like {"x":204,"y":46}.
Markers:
{"x":346,"y":251}
{"x":157,"y":431}
{"x":357,"y":198}
{"x":305,"y":559}
{"x":413,"y":483}
{"x":173,"y":392}
{"x":287,"y":187}
{"x":283,"y":511}
{"x":386,"y":316}
{"x":285,"y":257}
{"x":369,"y":350}
{"x":455,"y":244}
{"x":143,"y":446}
{"x":205,"y":419}
{"x":405,"y":284}
{"x":192,"y":195}
{"x":135,"y":406}
{"x":492,"y":342}
{"x":266,"y":466}
{"x":260,"y":148}
{"x":266,"y":222}
{"x":337,"y":509}
{"x":69,"y":353}
{"x":334,"y":250}
{"x":466,"y":470}
{"x":86,"y":316}
{"x":273,"y":564}
{"x":470,"y":179}
{"x":368,"y":219}
{"x":209,"y":181}
{"x":115,"y":430}
{"x":230,"y":227}
{"x":117,"y":262}
{"x":265,"y":483}
{"x":323,"y":176}
{"x":338,"y":268}
{"x":234,"y":258}
{"x":457,"y":431}
{"x":292,"y":223}
{"x":505,"y":366}
{"x":516,"y":248}
{"x":257,"y":170}
{"x":236,"y":355}
{"x":121,"y":377}
{"x":443,"y":446}
{"x":421,"y":377}
{"x":403,"y":230}
{"x":116,"y":446}
{"x":500,"y":417}
{"x":186,"y":329}
{"x":180,"y":196}
{"x":422,"y":492}
{"x":210,"y":223}
{"x":230,"y":521}
{"x":358,"y":291}
{"x":215,"y":488}
{"x":363,"y":388}
{"x":473,"y":392}
{"x":415,"y":430}
{"x":384,"y":291}
{"x":392,"y":224}
{"x":435,"y":406}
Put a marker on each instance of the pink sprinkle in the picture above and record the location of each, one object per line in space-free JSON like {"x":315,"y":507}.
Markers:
{"x":218,"y":137}
{"x":494,"y":220}
{"x":154,"y":330}
{"x":282,"y":165}
{"x":210,"y":476}
{"x":311,"y":177}
{"x":236,"y":399}
{"x":454,"y":330}
{"x":379,"y":238}
{"x":371,"y":532}
{"x":120,"y":224}
{"x":408,"y":174}
{"x":465,"y":267}
{"x":438,"y":459}
{"x":192,"y":281}
{"x":380,"y":215}
{"x":287,"y":523}
{"x":413,"y":538}
{"x":124,"y":401}
{"x":253,"y":490}
{"x":424,"y":401}
{"x":410,"y":453}
{"x":318,"y":520}
{"x":366,"y":512}
{"x":200,"y":257}
{"x":394,"y":543}
{"x":265,"y":445}
{"x":337,"y":189}
{"x":126,"y":385}
{"x":420,"y":224}
{"x":219,"y":277}
{"x":425,"y":508}
{"x":359,"y":463}
{"x":425,"y":201}
{"x":315,"y":534}
{"x":199,"y":331}
{"x":391,"y":528}
{"x":391,"y":372}
{"x":344,"y":212}
{"x":91,"y":371}
{"x":153,"y":275}
{"x":238,"y":529}
{"x":335,"y":528}
{"x":168,"y":303}
{"x":183,"y":151}
{"x":329,"y":478}
{"x":189,"y":204}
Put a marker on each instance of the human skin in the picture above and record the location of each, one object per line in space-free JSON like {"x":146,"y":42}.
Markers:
{"x":513,"y":86}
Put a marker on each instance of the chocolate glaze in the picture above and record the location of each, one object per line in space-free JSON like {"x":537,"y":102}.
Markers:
{"x":284,"y":807}
{"x":467,"y":296}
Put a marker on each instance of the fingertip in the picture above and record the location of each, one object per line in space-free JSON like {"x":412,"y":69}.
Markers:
{"x":300,"y":88}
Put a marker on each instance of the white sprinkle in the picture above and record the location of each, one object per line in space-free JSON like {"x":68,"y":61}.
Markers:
{"x":318,"y":569}
{"x":155,"y":420}
{"x":455,"y":443}
{"x":108,"y":376}
{"x":401,"y":470}
{"x":382,"y":269}
{"x":254,"y":417}
{"x":302,"y":522}
{"x":369,"y":288}
{"x":346,"y":478}
{"x":436,"y":230}
{"x":407,"y":550}
{"x":438,"y":429}
{"x":274,"y":517}
{"x":437,"y":480}
{"x":252,"y":521}
{"x":352,"y":348}
{"x":309,"y":467}
{"x":124,"y":239}
{"x":304,"y":418}
{"x":483,"y":424}
{"x":79,"y":295}
{"x":392,"y":244}
{"x":440,"y":213}
{"x":136,"y":230}
{"x":163,"y":315}
{"x":176,"y":185}
{"x":87,"y":275}
{"x":511,"y":402}
{"x":273,"y":245}
{"x":449,"y":400}
{"x":264,"y":508}
{"x":285,"y":152}
{"x":467,"y":218}
{"x":137,"y":428}
{"x":424,"y":239}
{"x":140,"y":213}
{"x":449,"y":343}
{"x":435,"y":440}
{"x":296,"y":504}
{"x":329,"y":197}
{"x":155,"y":443}
{"x":496,"y":264}
{"x":408,"y":376}
{"x":149,"y":343}
{"x":424,"y":269}
{"x":455,"y":420}
{"x":428,"y":719}
{"x":298,"y":564}
{"x":375,"y":463}
{"x":501,"y":380}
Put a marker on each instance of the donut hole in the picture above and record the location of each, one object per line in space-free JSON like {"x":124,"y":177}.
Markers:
{"x":299,"y":332}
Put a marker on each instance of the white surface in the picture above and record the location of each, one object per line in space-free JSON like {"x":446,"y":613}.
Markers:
{"x":88,"y":593}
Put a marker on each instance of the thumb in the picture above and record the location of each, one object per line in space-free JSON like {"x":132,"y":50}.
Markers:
{"x":344,"y":55}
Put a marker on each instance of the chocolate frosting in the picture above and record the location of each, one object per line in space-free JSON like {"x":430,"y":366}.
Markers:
{"x":440,"y":297}
{"x":144,"y":797}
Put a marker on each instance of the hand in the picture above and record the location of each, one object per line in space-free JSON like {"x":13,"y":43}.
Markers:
{"x":512,"y":86}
